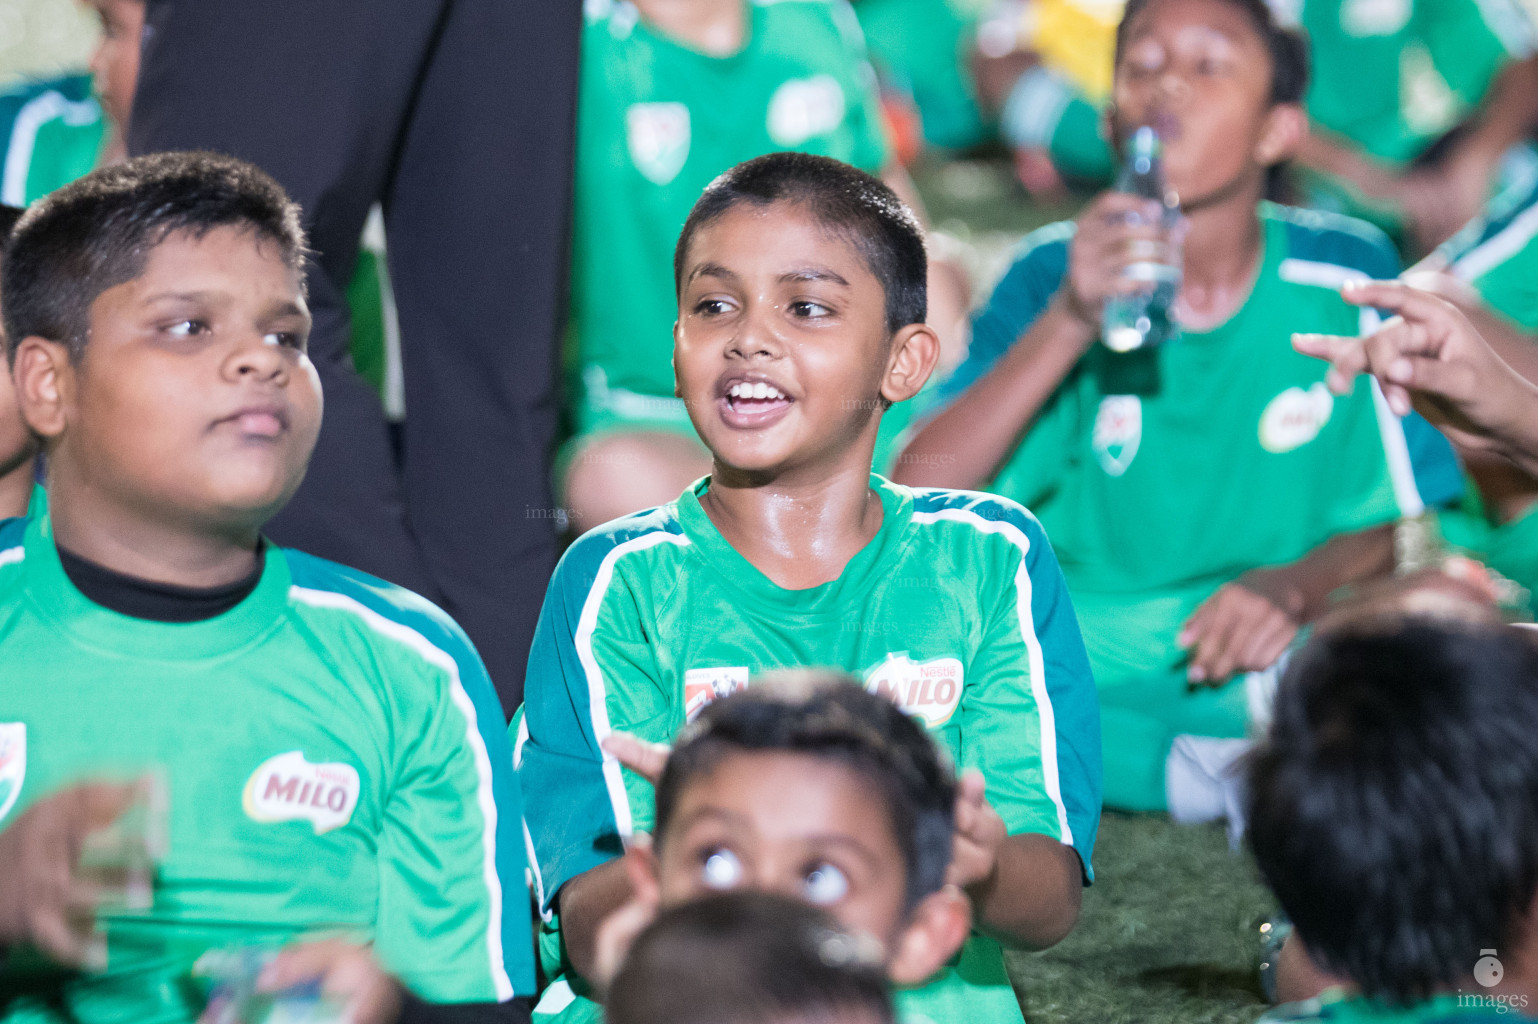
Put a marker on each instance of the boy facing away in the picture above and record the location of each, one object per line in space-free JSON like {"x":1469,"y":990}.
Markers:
{"x":1392,"y":813}
{"x":331,"y":744}
{"x":801,"y":317}
{"x":1205,"y":497}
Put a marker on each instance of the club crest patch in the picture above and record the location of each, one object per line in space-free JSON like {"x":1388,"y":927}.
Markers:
{"x":702,"y":686}
{"x":1295,"y":417}
{"x":1363,"y":18}
{"x":805,"y":107}
{"x":928,"y":690}
{"x":1117,"y":432}
{"x":289,"y":788}
{"x":658,"y":137}
{"x":13,"y":764}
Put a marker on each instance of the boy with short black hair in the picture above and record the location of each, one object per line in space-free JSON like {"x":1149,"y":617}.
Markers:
{"x":1206,"y":496}
{"x":1392,"y":811}
{"x":801,"y":289}
{"x":771,"y":960}
{"x":331,"y":743}
{"x":18,"y":448}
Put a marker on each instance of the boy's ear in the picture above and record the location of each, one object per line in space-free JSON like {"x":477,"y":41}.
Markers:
{"x":642,"y":869}
{"x":935,"y":931}
{"x":44,"y":378}
{"x":915,"y":351}
{"x":1281,"y":134}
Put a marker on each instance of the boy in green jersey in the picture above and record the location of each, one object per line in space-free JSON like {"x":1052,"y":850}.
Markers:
{"x":808,"y":785}
{"x":801,"y":292}
{"x":1205,"y":497}
{"x":331,"y":744}
{"x":18,"y":448}
{"x":771,"y":960}
{"x":1391,"y":812}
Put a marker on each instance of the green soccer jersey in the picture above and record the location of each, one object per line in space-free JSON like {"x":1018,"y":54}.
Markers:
{"x":955,"y":609}
{"x":656,"y":123}
{"x":335,"y":759}
{"x":51,"y":132}
{"x":1165,"y":473}
{"x":1335,"y":1007}
{"x":1394,"y":75}
{"x":1498,"y":254}
{"x":922,"y":48}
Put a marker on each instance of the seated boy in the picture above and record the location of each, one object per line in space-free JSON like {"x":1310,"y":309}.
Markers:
{"x":771,"y":788}
{"x":772,"y":960}
{"x":1207,"y":496}
{"x":801,"y":290}
{"x":331,"y":744}
{"x":808,"y":786}
{"x":671,"y":96}
{"x":18,"y":448}
{"x":1391,"y":812}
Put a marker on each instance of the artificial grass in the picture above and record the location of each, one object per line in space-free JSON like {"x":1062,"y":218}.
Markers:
{"x":1168,"y":934}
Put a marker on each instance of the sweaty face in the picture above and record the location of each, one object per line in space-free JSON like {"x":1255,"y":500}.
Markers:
{"x":1200,"y":75}
{"x":790,"y":823}
{"x":194,"y":399}
{"x":115,"y":62}
{"x":781,"y":343}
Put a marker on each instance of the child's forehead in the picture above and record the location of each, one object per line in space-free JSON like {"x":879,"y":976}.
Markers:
{"x":782,"y":232}
{"x":1217,"y":18}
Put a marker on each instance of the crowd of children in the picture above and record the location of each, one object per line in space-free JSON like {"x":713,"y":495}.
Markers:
{"x":798,"y":741}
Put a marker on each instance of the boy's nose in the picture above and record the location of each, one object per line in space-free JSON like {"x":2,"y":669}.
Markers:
{"x":257,"y":357}
{"x":754,"y":338}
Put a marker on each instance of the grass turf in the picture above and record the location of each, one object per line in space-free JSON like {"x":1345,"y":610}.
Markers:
{"x":1168,"y":933}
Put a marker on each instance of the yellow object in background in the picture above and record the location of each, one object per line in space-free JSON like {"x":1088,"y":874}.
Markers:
{"x":1076,"y":38}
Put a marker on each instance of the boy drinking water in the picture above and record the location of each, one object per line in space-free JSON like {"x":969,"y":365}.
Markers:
{"x":1206,"y":497}
{"x":331,"y":744}
{"x":801,"y":288}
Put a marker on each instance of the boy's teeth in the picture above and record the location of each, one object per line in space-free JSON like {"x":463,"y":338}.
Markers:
{"x":755,"y":390}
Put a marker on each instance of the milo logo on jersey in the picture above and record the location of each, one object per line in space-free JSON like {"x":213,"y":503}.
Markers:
{"x":289,"y":788}
{"x":703,"y":686}
{"x":13,"y":764}
{"x":1117,"y":432}
{"x":1295,"y":417}
{"x":927,"y":690}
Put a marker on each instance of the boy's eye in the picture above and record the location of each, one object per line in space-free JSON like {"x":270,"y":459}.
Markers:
{"x":285,"y":339}
{"x":807,"y":309}
{"x":711,"y":307}
{"x":187,"y":328}
{"x":722,"y":870}
{"x":825,"y":885}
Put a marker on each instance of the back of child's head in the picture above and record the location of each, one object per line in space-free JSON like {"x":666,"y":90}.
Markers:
{"x":9,"y":215}
{"x":97,"y":232}
{"x":749,"y":957}
{"x":827,"y":714}
{"x":851,"y":204}
{"x":1287,"y":46}
{"x":1394,"y":806}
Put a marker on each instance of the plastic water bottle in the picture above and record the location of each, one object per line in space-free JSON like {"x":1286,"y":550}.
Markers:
{"x":1145,"y":317}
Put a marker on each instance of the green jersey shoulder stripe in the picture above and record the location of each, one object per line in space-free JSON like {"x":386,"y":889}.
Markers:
{"x":1500,"y":246}
{"x":25,"y":111}
{"x":1038,"y":681}
{"x":435,"y":638}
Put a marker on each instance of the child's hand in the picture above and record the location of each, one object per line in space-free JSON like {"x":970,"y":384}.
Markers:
{"x":979,"y":834}
{"x":643,"y":757}
{"x":345,"y":971}
{"x":1431,"y":358}
{"x":1116,"y":230}
{"x":43,"y":899}
{"x":1243,"y":627}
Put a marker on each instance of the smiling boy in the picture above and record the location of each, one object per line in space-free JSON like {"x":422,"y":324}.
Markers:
{"x":1208,"y":496}
{"x":801,"y":288}
{"x":331,"y":744}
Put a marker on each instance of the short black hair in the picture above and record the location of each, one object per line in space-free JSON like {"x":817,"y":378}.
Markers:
{"x":828,"y":714}
{"x":9,"y":215}
{"x":748,"y":958}
{"x":97,"y":232}
{"x":859,"y":208}
{"x":1287,"y":46}
{"x":1394,"y":807}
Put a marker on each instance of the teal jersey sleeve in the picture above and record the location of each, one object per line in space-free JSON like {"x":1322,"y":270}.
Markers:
{"x":51,"y":132}
{"x":452,"y":919}
{"x":591,"y":671}
{"x":1030,"y":717}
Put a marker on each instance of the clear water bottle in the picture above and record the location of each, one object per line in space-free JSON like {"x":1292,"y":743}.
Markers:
{"x":1145,"y":317}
